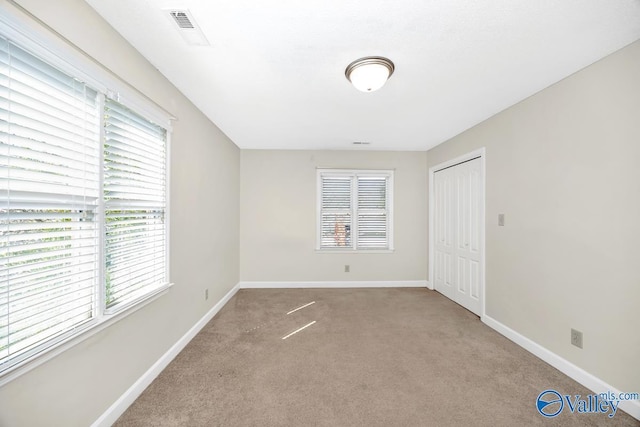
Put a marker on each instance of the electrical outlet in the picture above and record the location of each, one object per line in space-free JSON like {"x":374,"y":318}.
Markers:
{"x":576,"y":338}
{"x":206,"y":294}
{"x":347,"y":268}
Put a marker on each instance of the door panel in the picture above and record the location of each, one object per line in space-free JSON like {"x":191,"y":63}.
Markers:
{"x":474,"y":276}
{"x":475,"y":199}
{"x":444,"y":232}
{"x":462,"y":274}
{"x":458,"y":221}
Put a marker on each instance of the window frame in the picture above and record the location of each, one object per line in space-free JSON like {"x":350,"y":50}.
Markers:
{"x":39,"y":40}
{"x":388,"y":174}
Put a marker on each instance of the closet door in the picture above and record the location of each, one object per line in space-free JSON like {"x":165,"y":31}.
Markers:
{"x":458,"y":202}
{"x":444,"y":222}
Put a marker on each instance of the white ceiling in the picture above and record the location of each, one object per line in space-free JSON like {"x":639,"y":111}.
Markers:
{"x":273,"y":75}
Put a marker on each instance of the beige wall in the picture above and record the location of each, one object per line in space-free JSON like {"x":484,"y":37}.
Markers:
{"x":278,"y":217}
{"x":75,"y":388}
{"x":563,"y":166}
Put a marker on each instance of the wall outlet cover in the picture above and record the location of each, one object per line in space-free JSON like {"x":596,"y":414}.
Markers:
{"x":576,"y":338}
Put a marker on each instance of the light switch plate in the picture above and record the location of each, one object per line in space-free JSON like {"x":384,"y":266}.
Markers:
{"x":501,"y":220}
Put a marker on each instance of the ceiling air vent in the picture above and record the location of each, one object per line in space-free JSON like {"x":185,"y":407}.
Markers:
{"x":182,"y":19}
{"x":361,"y":143}
{"x":187,"y":27}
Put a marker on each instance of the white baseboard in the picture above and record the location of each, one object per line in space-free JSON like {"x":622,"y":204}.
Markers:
{"x":338,"y":284}
{"x":114,"y":412}
{"x":632,"y":407}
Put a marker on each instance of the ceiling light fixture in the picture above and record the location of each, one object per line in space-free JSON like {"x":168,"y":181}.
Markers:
{"x":369,"y":73}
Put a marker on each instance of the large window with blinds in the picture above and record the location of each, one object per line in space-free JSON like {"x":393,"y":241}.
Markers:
{"x":355,"y":210}
{"x":83,"y":184}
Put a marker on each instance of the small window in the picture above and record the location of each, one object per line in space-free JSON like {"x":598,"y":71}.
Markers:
{"x":355,"y":210}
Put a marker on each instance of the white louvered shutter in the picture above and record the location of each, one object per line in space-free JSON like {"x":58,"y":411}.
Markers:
{"x":49,"y":189}
{"x":135,"y":152}
{"x":355,"y":209}
{"x":336,"y":212}
{"x":372,"y":212}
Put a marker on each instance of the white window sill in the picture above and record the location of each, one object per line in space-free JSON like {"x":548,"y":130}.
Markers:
{"x":88,"y":331}
{"x":354,"y":251}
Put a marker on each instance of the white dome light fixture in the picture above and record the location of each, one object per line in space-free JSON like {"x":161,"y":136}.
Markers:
{"x":370,"y":73}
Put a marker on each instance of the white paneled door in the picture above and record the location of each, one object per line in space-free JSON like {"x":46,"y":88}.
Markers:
{"x":458,"y":200}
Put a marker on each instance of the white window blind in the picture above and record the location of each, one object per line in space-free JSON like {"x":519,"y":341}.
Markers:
{"x":49,"y":190}
{"x":354,"y":210}
{"x":372,"y":212}
{"x":336,"y":211}
{"x":134,"y":204}
{"x":83,"y":206}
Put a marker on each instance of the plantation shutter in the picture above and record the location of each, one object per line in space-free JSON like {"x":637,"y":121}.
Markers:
{"x":49,"y":189}
{"x":372,"y":212}
{"x":355,"y":209}
{"x":135,"y":151}
{"x":336,"y":211}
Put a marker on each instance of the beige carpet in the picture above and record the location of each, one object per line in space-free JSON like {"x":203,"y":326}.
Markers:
{"x":374,"y":357}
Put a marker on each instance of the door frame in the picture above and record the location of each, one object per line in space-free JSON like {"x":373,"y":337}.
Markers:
{"x":481,"y":153}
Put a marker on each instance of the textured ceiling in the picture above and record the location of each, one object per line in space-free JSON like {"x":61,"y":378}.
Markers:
{"x":273,"y":75}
